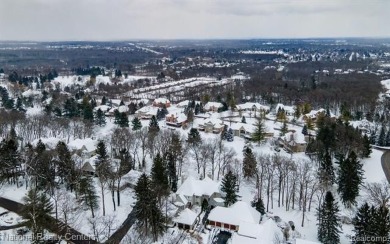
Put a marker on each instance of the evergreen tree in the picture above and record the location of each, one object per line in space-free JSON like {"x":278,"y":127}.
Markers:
{"x":123,"y":120}
{"x":159,"y":177}
{"x":258,"y":135}
{"x":104,"y":101}
{"x":87,"y":194}
{"x":328,"y":221}
{"x":367,"y":146}
{"x":136,"y":124}
{"x":249,"y":163}
{"x":153,"y":125}
{"x":117,"y":117}
{"x":243,"y":120}
{"x":65,"y":165}
{"x":326,"y":171}
{"x":229,"y":186}
{"x":284,"y":128}
{"x":36,"y":211}
{"x":381,"y":224}
{"x":382,"y":137}
{"x":88,"y":112}
{"x":258,"y":204}
{"x":224,"y":132}
{"x":350,"y":178}
{"x":387,"y":140}
{"x":230,"y":135}
{"x":364,"y":223}
{"x":149,"y":216}
{"x":304,"y":130}
{"x":197,"y":109}
{"x":100,"y":118}
{"x":171,"y":168}
{"x":194,"y":137}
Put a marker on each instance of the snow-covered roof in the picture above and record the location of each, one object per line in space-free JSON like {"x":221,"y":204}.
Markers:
{"x":265,"y":233}
{"x":186,"y":217}
{"x":104,"y":108}
{"x":161,"y":100}
{"x":235,"y":214}
{"x":123,"y":109}
{"x":250,"y":105}
{"x":147,"y":110}
{"x":180,"y":117}
{"x":191,"y":187}
{"x":209,"y":105}
{"x":314,"y":113}
{"x":286,"y":108}
{"x":297,"y":137}
{"x":217,"y":123}
{"x":247,"y":127}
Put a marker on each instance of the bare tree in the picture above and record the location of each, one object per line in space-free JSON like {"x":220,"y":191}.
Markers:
{"x":378,"y":193}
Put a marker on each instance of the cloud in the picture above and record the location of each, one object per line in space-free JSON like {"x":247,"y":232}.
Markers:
{"x":129,"y":19}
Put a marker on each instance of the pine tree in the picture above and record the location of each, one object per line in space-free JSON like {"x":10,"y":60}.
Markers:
{"x":87,"y":194}
{"x":381,"y":224}
{"x":367,"y":146}
{"x":284,"y":128}
{"x":229,"y":186}
{"x":153,"y":125}
{"x":117,"y":117}
{"x":326,"y":171}
{"x":149,"y":216}
{"x":123,"y":120}
{"x":258,"y":204}
{"x":100,"y":118}
{"x":104,"y":101}
{"x":328,"y":221}
{"x":103,"y":170}
{"x":382,"y":137}
{"x":387,"y":140}
{"x":364,"y":223}
{"x":249,"y":163}
{"x":37,"y":209}
{"x":136,"y":124}
{"x":243,"y":120}
{"x":194,"y":137}
{"x":258,"y":135}
{"x":304,"y":130}
{"x":88,"y":112}
{"x":171,"y":168}
{"x":65,"y":165}
{"x":350,"y":178}
{"x":230,"y":135}
{"x":159,"y":177}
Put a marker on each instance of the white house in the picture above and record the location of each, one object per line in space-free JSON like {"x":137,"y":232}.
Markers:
{"x":186,"y":219}
{"x":232,"y":217}
{"x":253,"y":107}
{"x":197,"y":191}
{"x":211,"y":125}
{"x":294,"y":142}
{"x":212,"y":106}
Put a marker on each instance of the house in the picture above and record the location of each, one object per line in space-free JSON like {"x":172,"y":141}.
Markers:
{"x":212,"y":106}
{"x":247,"y":130}
{"x":198,"y":191}
{"x":251,"y":233}
{"x":289,"y":110}
{"x":211,"y":125}
{"x":177,"y":120}
{"x":293,"y":142}
{"x":315,"y":114}
{"x":232,"y":217}
{"x":186,"y":219}
{"x":255,"y":108}
{"x":161,"y":102}
{"x":146,"y":112}
{"x":88,"y":169}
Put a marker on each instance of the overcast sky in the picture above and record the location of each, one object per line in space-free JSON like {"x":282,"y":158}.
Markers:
{"x":188,"y":19}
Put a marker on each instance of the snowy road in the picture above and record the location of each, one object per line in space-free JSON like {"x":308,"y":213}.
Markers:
{"x":385,"y":160}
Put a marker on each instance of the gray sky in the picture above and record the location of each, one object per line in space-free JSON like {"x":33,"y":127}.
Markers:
{"x":173,"y":19}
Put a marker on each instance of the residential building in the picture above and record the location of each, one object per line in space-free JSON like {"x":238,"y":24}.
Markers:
{"x":177,"y":120}
{"x":211,"y":125}
{"x":212,"y":106}
{"x":161,"y":102}
{"x":186,"y":219}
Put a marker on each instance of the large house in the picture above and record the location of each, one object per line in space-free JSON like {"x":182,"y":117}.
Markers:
{"x":247,"y":130}
{"x":293,"y":142}
{"x":211,"y":125}
{"x":146,"y":112}
{"x":195,"y":192}
{"x":315,"y":114}
{"x":255,"y":108}
{"x":231,"y":218}
{"x":212,"y":106}
{"x":161,"y":102}
{"x":177,"y":120}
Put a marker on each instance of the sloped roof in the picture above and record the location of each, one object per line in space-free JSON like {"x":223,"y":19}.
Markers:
{"x":195,"y":187}
{"x":265,"y":233}
{"x":213,"y":104}
{"x":161,"y":100}
{"x":186,"y":217}
{"x":250,"y":105}
{"x":235,"y":214}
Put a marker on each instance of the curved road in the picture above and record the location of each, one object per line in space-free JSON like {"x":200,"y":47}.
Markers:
{"x":53,"y":225}
{"x":385,"y":160}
